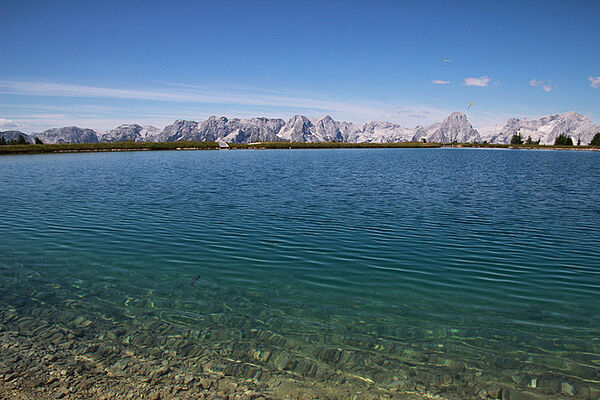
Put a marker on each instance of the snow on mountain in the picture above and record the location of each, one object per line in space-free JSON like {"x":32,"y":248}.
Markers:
{"x":455,"y":128}
{"x":220,"y":128}
{"x":178,"y":130}
{"x":545,"y":129}
{"x":381,"y":132}
{"x":298,"y":129}
{"x":148,"y":133}
{"x":133,"y":132}
{"x":486,"y":132}
{"x":68,"y":134}
{"x":325,"y":129}
{"x":254,"y":130}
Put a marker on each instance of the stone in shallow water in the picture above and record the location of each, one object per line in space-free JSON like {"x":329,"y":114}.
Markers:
{"x":284,"y":362}
{"x":26,"y":324}
{"x":330,"y":355}
{"x":190,"y":350}
{"x":120,"y":365}
{"x":566,"y":388}
{"x":188,"y":379}
{"x":533,"y":383}
{"x":410,"y":355}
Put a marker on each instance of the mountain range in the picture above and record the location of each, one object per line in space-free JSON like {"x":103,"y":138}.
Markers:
{"x":455,"y":128}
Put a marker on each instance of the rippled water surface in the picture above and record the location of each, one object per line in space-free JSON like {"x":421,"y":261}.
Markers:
{"x":428,"y":258}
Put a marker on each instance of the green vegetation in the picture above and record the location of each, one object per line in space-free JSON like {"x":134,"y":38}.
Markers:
{"x":37,"y":140}
{"x":20,"y":140}
{"x":530,"y":141}
{"x":524,"y":146}
{"x":563,"y":140}
{"x":517,"y":139}
{"x":119,"y":146}
{"x":74,"y":147}
{"x":330,"y":145}
{"x":13,"y":148}
{"x":595,"y":140}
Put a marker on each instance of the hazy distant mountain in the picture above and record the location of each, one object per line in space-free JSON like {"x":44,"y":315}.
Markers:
{"x":69,"y":134}
{"x":134,"y":133}
{"x":456,"y":127}
{"x":381,"y":132}
{"x":545,"y":129}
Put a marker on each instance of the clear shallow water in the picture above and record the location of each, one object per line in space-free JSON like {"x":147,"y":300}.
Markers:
{"x":410,"y":258}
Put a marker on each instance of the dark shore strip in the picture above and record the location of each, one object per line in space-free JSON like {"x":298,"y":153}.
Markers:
{"x":139,"y":146}
{"x":521,"y":146}
{"x":188,"y":145}
{"x":118,"y":146}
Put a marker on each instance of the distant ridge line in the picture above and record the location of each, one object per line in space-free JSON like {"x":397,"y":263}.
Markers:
{"x":455,"y":128}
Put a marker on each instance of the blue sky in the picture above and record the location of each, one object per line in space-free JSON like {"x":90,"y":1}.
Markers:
{"x":100,"y":64}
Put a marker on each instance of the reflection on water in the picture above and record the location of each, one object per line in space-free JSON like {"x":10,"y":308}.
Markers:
{"x":457,"y":270}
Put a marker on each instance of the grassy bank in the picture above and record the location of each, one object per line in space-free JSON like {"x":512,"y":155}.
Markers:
{"x":135,"y":146}
{"x":522,"y":146}
{"x":330,"y":145}
{"x":119,"y":146}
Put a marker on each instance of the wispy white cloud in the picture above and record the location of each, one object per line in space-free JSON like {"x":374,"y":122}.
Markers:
{"x":535,"y":82}
{"x":7,"y":124}
{"x":482,"y":81}
{"x":195,"y":94}
{"x":546,"y":86}
{"x":594,"y":81}
{"x":440,"y":82}
{"x":171,"y":101}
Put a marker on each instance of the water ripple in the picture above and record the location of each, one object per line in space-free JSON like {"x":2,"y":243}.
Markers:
{"x":392,"y":244}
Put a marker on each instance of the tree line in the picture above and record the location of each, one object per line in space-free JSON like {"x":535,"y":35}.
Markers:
{"x":561,"y":140}
{"x":20,"y":140}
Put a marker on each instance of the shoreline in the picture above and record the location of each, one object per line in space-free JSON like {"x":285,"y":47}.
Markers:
{"x":182,"y":146}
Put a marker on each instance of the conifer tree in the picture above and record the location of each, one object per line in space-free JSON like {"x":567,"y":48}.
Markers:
{"x":516,"y":139}
{"x":563,"y":140}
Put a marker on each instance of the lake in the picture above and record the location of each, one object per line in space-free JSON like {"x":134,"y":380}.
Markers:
{"x":448,"y":271}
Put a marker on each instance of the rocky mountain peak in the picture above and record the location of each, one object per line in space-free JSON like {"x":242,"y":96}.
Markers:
{"x":68,"y":134}
{"x":456,"y":116}
{"x":131,"y":132}
{"x":455,"y":127}
{"x":545,"y":129}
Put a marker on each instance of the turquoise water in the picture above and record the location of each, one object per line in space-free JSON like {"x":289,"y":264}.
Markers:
{"x":482,"y":264}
